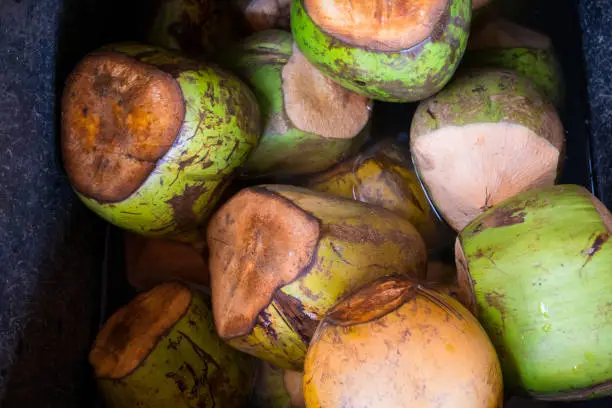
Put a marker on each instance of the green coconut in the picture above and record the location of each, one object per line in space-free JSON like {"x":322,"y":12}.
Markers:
{"x":537,"y":271}
{"x":281,"y":256}
{"x":503,"y":44}
{"x":384,"y":50}
{"x":277,"y":388}
{"x":150,"y":139}
{"x":161,"y":350}
{"x":195,"y":27}
{"x":487,"y":136}
{"x":310,"y":123}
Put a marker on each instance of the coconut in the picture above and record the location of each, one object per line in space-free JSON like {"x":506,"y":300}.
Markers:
{"x":385,"y":50}
{"x":161,"y":350}
{"x":488,"y":136}
{"x":151,"y":261}
{"x":395,"y":343}
{"x":150,"y":139}
{"x":277,"y":388}
{"x":265,"y":14}
{"x":281,"y":256}
{"x":198,"y":28}
{"x":537,"y":271}
{"x":383,"y":175}
{"x":503,"y":44}
{"x":310,"y":123}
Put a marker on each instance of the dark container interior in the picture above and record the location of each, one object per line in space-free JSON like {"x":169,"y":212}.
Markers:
{"x":61,"y":268}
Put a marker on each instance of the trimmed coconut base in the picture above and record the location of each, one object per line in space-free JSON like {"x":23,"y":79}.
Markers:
{"x":316,"y":104}
{"x":502,"y":33}
{"x":258,"y":242}
{"x":265,"y":14}
{"x":119,"y":117}
{"x":468,"y":169}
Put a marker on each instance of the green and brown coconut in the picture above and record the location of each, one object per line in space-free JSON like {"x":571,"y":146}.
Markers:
{"x":150,"y":139}
{"x":198,"y":28}
{"x":486,"y":137}
{"x":161,"y":350}
{"x":394,"y":343}
{"x":265,"y":14}
{"x":277,"y":388}
{"x":383,"y":175}
{"x":537,"y":271}
{"x":281,"y":256}
{"x":385,"y":50}
{"x":503,"y":44}
{"x":310,"y":123}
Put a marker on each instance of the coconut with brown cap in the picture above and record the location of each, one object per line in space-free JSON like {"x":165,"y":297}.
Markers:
{"x":151,"y":139}
{"x":488,"y":136}
{"x":383,"y":175}
{"x":310,"y":123}
{"x":161,"y":350}
{"x":395,"y":343}
{"x":395,"y":51}
{"x":536,"y":270}
{"x":281,"y":256}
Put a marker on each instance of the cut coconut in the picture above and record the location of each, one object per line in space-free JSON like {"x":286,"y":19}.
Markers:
{"x":293,"y":384}
{"x":131,"y":333}
{"x":502,"y":33}
{"x":394,"y":51}
{"x":476,"y":4}
{"x":281,"y":256}
{"x":487,"y":137}
{"x":310,"y":122}
{"x":161,"y":351}
{"x":316,"y":104}
{"x":376,"y":24}
{"x":469,"y":169}
{"x":259,"y":243}
{"x":120,"y":116}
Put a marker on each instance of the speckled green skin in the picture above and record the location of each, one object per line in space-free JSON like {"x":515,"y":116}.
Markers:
{"x":540,"y":66}
{"x":403,"y":76}
{"x":284,"y":149}
{"x":190,"y":367}
{"x":487,"y":96}
{"x":220,"y":128}
{"x":541,"y":268}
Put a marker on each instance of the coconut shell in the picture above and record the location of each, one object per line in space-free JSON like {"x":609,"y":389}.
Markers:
{"x":183,"y":186}
{"x":281,"y":256}
{"x":394,"y":343}
{"x":290,"y":146}
{"x":405,"y":75}
{"x":537,"y":271}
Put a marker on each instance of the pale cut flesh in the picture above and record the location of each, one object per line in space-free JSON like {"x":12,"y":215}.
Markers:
{"x":318,"y":105}
{"x":129,"y":335}
{"x":266,"y":14}
{"x":293,"y":385}
{"x":378,"y":24}
{"x":258,"y":242}
{"x":502,"y":33}
{"x":468,"y":169}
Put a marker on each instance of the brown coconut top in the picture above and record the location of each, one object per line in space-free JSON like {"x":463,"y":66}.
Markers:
{"x":258,"y":241}
{"x":119,"y":117}
{"x":502,"y":33}
{"x":133,"y":332}
{"x":383,"y":25}
{"x":316,"y":104}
